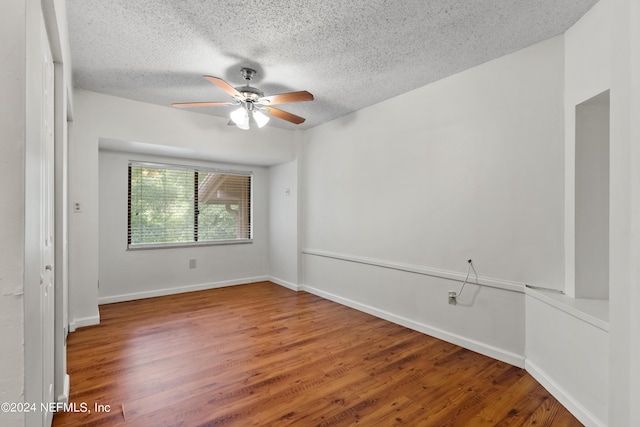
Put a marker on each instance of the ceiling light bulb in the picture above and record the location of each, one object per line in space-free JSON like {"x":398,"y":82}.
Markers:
{"x":241,"y":118}
{"x":260,"y":118}
{"x":244,"y":125}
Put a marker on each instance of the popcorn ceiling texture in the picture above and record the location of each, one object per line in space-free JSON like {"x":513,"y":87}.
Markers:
{"x":349,"y":54}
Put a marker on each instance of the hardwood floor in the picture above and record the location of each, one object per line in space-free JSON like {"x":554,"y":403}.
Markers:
{"x":262,"y":355}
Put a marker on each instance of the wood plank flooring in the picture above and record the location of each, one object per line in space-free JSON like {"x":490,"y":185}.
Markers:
{"x":262,"y":355}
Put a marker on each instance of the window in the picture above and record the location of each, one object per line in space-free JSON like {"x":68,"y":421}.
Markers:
{"x":179,"y":205}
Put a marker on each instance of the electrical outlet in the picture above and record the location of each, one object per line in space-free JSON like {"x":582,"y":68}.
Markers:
{"x":192,"y":263}
{"x":452,"y":298}
{"x":76,"y":207}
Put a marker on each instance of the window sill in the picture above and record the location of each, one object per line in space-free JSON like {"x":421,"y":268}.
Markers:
{"x":140,"y":247}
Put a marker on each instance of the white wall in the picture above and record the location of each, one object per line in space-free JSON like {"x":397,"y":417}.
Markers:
{"x":569,"y":356}
{"x":625,"y":215}
{"x":283,"y":224}
{"x":603,"y":52}
{"x":160,"y":129}
{"x":592,"y":198}
{"x":587,"y":74}
{"x":12,"y":173}
{"x":419,"y":302}
{"x":469,"y":167}
{"x":564,"y":352}
{"x":126,"y":275}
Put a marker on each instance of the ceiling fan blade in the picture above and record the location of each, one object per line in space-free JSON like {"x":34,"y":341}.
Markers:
{"x":284,"y":98}
{"x":224,"y":86}
{"x":285,"y":115}
{"x":201,"y":104}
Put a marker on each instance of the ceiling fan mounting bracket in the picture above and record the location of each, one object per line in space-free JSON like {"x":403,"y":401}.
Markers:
{"x":248,"y":73}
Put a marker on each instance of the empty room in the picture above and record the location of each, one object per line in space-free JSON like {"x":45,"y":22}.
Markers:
{"x":320,"y":213}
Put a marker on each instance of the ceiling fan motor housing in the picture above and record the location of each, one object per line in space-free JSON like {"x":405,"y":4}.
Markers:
{"x":251,"y":94}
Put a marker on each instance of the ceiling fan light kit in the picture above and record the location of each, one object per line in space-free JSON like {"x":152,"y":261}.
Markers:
{"x":241,"y":118}
{"x":243,"y":115}
{"x":253,"y":105}
{"x":260,"y":118}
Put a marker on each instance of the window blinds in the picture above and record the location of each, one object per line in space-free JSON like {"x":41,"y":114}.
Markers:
{"x":176,"y":205}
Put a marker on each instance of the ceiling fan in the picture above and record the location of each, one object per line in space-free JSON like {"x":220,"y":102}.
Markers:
{"x":252,"y":103}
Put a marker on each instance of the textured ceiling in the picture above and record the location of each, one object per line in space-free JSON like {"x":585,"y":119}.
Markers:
{"x":349,"y":54}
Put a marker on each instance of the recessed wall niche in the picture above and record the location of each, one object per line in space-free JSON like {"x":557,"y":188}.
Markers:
{"x":592,"y":198}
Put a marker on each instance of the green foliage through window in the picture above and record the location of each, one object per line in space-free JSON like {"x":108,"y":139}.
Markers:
{"x":180,"y":205}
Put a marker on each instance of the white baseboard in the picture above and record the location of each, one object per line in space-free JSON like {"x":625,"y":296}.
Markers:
{"x":178,"y":290}
{"x":284,"y":283}
{"x":485,"y":349}
{"x":81,"y":322}
{"x":572,"y":405}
